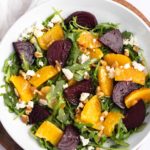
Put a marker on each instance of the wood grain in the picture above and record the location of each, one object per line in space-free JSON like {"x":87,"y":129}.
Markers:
{"x":134,"y":9}
{"x":5,"y":140}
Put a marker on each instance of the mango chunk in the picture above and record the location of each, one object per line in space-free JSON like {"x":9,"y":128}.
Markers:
{"x":88,"y":40}
{"x":105,"y":83}
{"x":111,"y":121}
{"x":49,"y":132}
{"x":23,"y":88}
{"x":43,"y":75}
{"x":91,"y":111}
{"x":119,"y":58}
{"x":136,"y":95}
{"x":54,"y":34}
{"x":130,"y":74}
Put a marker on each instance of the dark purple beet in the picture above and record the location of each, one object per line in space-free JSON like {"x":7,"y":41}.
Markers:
{"x":38,"y":114}
{"x":135,"y":115}
{"x":70,"y":139}
{"x":25,"y":51}
{"x":59,"y":51}
{"x":85,"y":19}
{"x":73,"y":93}
{"x":113,"y":39}
{"x":122,"y":89}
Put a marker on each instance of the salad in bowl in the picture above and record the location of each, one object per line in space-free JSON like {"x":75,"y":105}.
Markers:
{"x":80,"y":84}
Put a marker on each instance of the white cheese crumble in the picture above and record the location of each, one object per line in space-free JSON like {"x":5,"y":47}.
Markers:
{"x":84,"y":96}
{"x":39,"y":26}
{"x":38,"y":33}
{"x":84,"y":58}
{"x":84,"y":141}
{"x":131,"y":41}
{"x":56,"y":19}
{"x":67,"y":73}
{"x":20,"y":105}
{"x":43,"y":102}
{"x":50,"y":24}
{"x":65,"y":86}
{"x":30,"y":73}
{"x":30,"y":104}
{"x":41,"y":63}
{"x":90,"y":148}
{"x":80,"y":105}
{"x":127,"y":66}
{"x":138,"y":66}
{"x":101,"y":118}
{"x":111,"y":72}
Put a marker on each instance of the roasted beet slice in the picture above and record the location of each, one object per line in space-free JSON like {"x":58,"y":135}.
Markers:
{"x":122,"y":89}
{"x":70,"y":139}
{"x":85,"y":19}
{"x":38,"y":114}
{"x":73,"y":93}
{"x":113,"y":39}
{"x":59,"y":51}
{"x":25,"y":51}
{"x":135,"y":115}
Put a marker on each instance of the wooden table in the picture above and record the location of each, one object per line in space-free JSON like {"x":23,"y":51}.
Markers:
{"x":5,"y":140}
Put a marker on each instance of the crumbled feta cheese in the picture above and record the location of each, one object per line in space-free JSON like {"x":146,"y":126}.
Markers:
{"x":56,"y":19}
{"x":111,"y":72}
{"x":94,"y":40}
{"x":30,"y":104}
{"x":43,"y":102}
{"x":86,"y":75}
{"x":41,"y":63}
{"x":80,"y":105}
{"x":84,"y":141}
{"x":65,"y":86}
{"x":131,"y":41}
{"x":39,"y":26}
{"x":90,"y":148}
{"x":20,"y":105}
{"x":127,"y":66}
{"x":138,"y":66}
{"x":30,"y":29}
{"x":38,"y":33}
{"x":10,"y":63}
{"x":84,"y":96}
{"x":84,"y":58}
{"x":50,"y":24}
{"x":67,"y":73}
{"x":30,"y":73}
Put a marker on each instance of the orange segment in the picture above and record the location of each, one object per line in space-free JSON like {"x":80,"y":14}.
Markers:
{"x":110,"y":122}
{"x":91,"y":111}
{"x":54,"y":34}
{"x":135,"y":96}
{"x":43,"y":75}
{"x":49,"y":132}
{"x":88,"y":40}
{"x":119,"y":58}
{"x":23,"y":87}
{"x":96,"y":53}
{"x":130,"y":74}
{"x":105,"y":83}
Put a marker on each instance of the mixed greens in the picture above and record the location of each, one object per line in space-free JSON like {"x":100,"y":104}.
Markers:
{"x":72,"y":79}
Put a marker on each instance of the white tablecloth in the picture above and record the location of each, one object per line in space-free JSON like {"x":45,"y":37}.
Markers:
{"x":9,"y":14}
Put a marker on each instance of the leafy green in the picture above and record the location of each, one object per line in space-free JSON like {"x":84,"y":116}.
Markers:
{"x":106,"y":103}
{"x":132,"y":54}
{"x":105,"y":50}
{"x":147,"y":83}
{"x":11,"y":66}
{"x":75,"y":51}
{"x":104,"y":27}
{"x":126,"y":35}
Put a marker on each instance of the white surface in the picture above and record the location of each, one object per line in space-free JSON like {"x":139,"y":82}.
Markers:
{"x":8,"y":118}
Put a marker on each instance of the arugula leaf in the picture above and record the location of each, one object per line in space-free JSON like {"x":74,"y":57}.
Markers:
{"x":105,"y":50}
{"x":126,"y":35}
{"x":104,"y":27}
{"x":147,"y":83}
{"x":75,"y":51}
{"x":11,"y":66}
{"x":132,"y":54}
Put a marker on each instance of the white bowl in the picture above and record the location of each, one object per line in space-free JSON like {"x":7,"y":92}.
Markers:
{"x":105,"y":11}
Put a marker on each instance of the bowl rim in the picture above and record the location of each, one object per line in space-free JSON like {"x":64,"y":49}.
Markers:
{"x":41,"y":6}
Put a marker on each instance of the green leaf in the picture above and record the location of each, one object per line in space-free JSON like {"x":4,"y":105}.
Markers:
{"x":147,"y":83}
{"x":126,"y":35}
{"x":105,"y":27}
